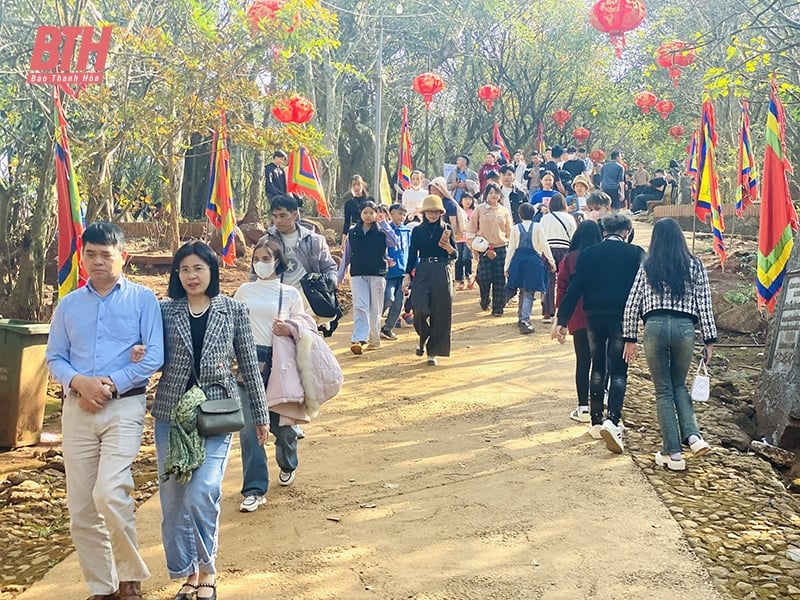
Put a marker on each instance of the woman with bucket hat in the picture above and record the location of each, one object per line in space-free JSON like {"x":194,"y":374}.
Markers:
{"x":433,"y":246}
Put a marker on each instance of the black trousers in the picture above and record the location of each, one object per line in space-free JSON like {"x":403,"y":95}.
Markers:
{"x":583,"y":363}
{"x":606,"y":344}
{"x":432,"y":301}
{"x":616,"y":201}
{"x":491,"y":278}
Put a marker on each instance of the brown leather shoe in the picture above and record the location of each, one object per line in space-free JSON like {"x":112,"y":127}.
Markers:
{"x":114,"y":596}
{"x":130,"y":590}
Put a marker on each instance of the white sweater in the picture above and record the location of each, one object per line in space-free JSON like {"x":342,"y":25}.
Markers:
{"x":537,"y":238}
{"x":261,"y":297}
{"x":559,"y":228}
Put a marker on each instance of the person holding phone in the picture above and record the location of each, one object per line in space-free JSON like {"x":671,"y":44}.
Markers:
{"x":671,"y":294}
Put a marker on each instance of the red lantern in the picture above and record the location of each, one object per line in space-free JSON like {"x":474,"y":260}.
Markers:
{"x":597,"y":155}
{"x":489,"y":93}
{"x":615,"y":17}
{"x":581,"y":134}
{"x":295,"y":109}
{"x":676,"y":131}
{"x":674,"y":55}
{"x":664,"y":107}
{"x":263,"y":9}
{"x":561,"y":117}
{"x":644,"y":100}
{"x":428,"y":85}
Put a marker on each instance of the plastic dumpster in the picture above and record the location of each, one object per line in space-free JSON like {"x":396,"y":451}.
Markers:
{"x":23,"y":381}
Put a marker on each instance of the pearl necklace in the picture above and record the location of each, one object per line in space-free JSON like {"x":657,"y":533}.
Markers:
{"x":201,"y":313}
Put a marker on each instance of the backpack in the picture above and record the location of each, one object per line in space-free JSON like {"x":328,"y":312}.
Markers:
{"x":321,"y":295}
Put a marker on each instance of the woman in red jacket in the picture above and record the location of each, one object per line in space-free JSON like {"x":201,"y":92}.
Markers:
{"x":587,"y":234}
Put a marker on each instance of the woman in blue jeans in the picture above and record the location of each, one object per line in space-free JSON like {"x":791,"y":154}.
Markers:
{"x":270,"y":303}
{"x":671,"y":294}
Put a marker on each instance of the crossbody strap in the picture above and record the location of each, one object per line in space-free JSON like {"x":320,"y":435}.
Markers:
{"x":561,"y":223}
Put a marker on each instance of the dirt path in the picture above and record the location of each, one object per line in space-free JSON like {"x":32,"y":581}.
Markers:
{"x":462,"y":481}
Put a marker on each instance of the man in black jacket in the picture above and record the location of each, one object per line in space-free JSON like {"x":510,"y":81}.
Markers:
{"x":275,"y":176}
{"x":603,"y":277}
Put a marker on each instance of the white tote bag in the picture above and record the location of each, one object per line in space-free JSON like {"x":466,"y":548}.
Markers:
{"x":701,"y":386}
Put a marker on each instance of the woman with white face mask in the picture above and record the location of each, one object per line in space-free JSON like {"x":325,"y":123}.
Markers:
{"x":271,"y":303}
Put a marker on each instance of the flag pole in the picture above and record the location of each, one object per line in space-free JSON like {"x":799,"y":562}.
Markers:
{"x":694,"y":229}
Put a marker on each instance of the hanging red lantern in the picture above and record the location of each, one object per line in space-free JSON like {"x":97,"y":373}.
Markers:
{"x":263,"y":9}
{"x":581,"y":134}
{"x":645,"y":100}
{"x":673,"y":55}
{"x":664,"y":107}
{"x":676,"y":131}
{"x":428,"y":85}
{"x":597,"y":155}
{"x":615,"y":17}
{"x":294,"y":109}
{"x":489,"y":93}
{"x":561,"y":117}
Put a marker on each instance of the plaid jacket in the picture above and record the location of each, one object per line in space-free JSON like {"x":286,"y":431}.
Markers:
{"x":228,"y":337}
{"x":696,"y":302}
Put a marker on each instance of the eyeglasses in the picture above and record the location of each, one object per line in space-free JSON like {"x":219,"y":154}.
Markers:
{"x":196,"y":270}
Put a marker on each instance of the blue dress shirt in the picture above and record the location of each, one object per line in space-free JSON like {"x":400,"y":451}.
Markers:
{"x":93,"y":335}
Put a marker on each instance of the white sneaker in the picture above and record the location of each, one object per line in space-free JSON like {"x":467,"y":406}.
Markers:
{"x":665,"y":460}
{"x":612,"y":435}
{"x":251,"y":503}
{"x":299,"y":431}
{"x":594,"y":431}
{"x":286,"y":478}
{"x":581,"y":416}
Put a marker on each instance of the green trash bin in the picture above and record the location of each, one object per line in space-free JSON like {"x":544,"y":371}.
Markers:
{"x":23,"y":381}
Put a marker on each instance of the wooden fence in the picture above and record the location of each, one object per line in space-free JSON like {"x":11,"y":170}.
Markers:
{"x":149,"y":229}
{"x":687,"y":210}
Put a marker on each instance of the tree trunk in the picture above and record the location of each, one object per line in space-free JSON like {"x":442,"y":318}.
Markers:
{"x":172,"y":170}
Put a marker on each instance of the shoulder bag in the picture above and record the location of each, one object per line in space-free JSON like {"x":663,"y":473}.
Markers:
{"x":701,"y":386}
{"x":217,"y":417}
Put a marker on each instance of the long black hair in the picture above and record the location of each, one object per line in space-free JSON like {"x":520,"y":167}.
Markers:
{"x":668,"y":263}
{"x":587,"y":234}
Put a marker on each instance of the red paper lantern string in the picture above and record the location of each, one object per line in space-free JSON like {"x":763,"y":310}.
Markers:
{"x":294,"y":109}
{"x":268,"y":9}
{"x":597,"y":155}
{"x":676,"y":131}
{"x":673,"y":56}
{"x":581,"y":134}
{"x":664,"y":107}
{"x":489,"y":93}
{"x":561,"y":117}
{"x":615,"y":17}
{"x":428,"y":85}
{"x":645,"y":100}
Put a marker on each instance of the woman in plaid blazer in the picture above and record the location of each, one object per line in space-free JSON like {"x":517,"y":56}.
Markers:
{"x":204,"y":332}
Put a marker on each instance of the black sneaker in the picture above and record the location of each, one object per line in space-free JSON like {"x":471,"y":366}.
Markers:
{"x":388,"y":335}
{"x":525,"y":328}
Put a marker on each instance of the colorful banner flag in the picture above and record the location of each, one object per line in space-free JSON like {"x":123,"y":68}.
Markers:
{"x":220,"y":193}
{"x":404,"y":153}
{"x":778,"y":216}
{"x":303,"y":178}
{"x":71,"y":218}
{"x":540,"y":145}
{"x":747,"y":176}
{"x":497,"y":140}
{"x":708,"y":199}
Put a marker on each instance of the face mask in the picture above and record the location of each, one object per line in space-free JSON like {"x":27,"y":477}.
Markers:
{"x":264,"y":269}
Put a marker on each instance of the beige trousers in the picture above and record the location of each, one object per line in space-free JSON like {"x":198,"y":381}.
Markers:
{"x":98,"y":452}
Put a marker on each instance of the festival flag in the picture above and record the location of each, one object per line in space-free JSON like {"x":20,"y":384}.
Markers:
{"x":778,"y":216}
{"x":708,"y":199}
{"x":71,"y":219}
{"x":220,"y":193}
{"x":747,"y":176}
{"x":303,"y":178}
{"x":497,"y":140}
{"x":540,"y":145}
{"x":404,"y":153}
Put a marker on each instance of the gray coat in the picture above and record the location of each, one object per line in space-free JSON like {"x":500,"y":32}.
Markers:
{"x":228,"y":337}
{"x":312,"y":251}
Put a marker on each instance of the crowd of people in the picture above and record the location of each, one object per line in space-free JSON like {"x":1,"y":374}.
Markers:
{"x":547,"y":228}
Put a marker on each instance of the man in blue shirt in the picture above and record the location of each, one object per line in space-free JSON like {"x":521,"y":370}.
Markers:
{"x":612,"y":180}
{"x":92,"y":335}
{"x":398,"y":258}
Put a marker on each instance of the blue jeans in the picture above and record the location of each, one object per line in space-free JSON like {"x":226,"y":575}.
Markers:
{"x":464,"y":262}
{"x":525,"y":305}
{"x":190,"y":513}
{"x":668,"y":344}
{"x":606,"y":344}
{"x":393,"y":301}
{"x":255,"y":474}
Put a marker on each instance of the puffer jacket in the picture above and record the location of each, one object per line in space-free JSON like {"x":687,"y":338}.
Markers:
{"x":305,"y":372}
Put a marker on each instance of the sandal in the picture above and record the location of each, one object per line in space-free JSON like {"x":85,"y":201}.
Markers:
{"x":181,"y":595}
{"x":213,"y":587}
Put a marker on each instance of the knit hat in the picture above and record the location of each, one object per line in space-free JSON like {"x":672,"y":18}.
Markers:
{"x":433,"y":202}
{"x":441,"y":186}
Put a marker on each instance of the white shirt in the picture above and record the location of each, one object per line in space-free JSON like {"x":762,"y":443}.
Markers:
{"x":296,"y":271}
{"x":537,"y":238}
{"x":559,"y":235}
{"x":262,"y":297}
{"x":506,"y":197}
{"x":412,"y":200}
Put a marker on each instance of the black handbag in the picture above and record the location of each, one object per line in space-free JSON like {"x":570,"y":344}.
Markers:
{"x":218,"y":417}
{"x":321,"y":294}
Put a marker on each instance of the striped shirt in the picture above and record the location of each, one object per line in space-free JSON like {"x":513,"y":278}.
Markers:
{"x":695,"y":303}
